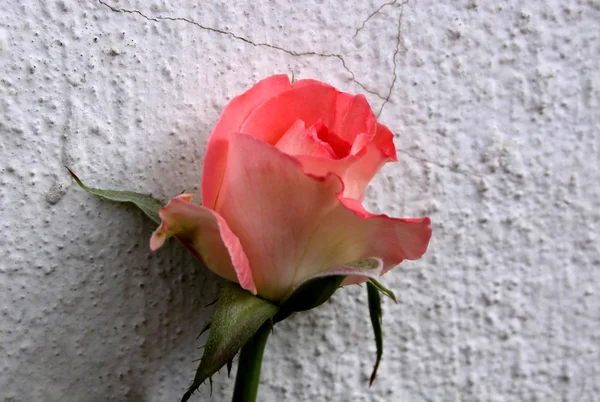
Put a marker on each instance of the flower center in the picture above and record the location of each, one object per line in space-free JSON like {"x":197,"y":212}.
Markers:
{"x":340,"y":147}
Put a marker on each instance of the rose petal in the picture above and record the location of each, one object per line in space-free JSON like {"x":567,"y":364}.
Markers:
{"x":207,"y":234}
{"x":350,"y":233}
{"x":357,"y":271}
{"x":339,"y":145}
{"x":272,"y":206}
{"x":359,"y":168}
{"x":215,"y":162}
{"x":299,"y":140}
{"x":384,"y":140}
{"x":354,"y":116}
{"x":239,"y":108}
{"x":293,"y":226}
{"x":356,"y":171}
{"x":359,"y":174}
{"x":309,"y":102}
{"x":230,"y":121}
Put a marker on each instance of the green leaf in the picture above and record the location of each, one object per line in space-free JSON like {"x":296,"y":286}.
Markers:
{"x":376,"y":320}
{"x":238,"y":315}
{"x":146,"y":203}
{"x":383,"y":289}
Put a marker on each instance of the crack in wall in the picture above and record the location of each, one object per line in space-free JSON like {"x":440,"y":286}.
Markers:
{"x":396,"y":52}
{"x":374,"y":13}
{"x":454,"y":168}
{"x":250,"y":42}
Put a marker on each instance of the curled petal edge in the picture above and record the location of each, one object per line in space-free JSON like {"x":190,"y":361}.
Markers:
{"x":208,"y":236}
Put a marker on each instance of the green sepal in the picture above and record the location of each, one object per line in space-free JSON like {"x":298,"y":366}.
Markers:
{"x":319,"y":288}
{"x":238,"y":315}
{"x":309,"y":295}
{"x":376,"y":320}
{"x":383,"y":289}
{"x":147,"y":204}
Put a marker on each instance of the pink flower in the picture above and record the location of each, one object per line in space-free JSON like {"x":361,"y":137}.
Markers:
{"x":284,"y":175}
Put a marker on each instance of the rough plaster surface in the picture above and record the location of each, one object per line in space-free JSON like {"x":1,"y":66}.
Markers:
{"x":496,"y":109}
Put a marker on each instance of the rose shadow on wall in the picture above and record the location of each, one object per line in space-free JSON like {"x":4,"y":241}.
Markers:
{"x":192,"y":288}
{"x":136,"y":328}
{"x":178,"y":157}
{"x":174,"y":313}
{"x":122,"y":329}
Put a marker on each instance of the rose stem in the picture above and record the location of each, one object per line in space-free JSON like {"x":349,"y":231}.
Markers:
{"x":248,"y":372}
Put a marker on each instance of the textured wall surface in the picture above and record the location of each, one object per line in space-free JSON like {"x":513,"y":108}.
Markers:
{"x":496,"y":108}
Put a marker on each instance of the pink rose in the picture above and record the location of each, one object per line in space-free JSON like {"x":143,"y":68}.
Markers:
{"x":284,"y":175}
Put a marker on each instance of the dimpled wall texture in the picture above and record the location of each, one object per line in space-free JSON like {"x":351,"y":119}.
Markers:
{"x":495,"y":106}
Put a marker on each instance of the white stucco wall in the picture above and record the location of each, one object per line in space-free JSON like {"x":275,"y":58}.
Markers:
{"x":497,"y":114}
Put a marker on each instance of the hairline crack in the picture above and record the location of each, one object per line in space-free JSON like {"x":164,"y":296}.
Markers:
{"x":250,"y":42}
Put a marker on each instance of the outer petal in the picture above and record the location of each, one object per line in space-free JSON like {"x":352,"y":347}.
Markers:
{"x":384,"y":140}
{"x":371,"y":158}
{"x":356,"y":271}
{"x":207,"y":234}
{"x":349,"y":233}
{"x":273,"y":207}
{"x":240,"y":107}
{"x":293,"y":226}
{"x":230,"y":121}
